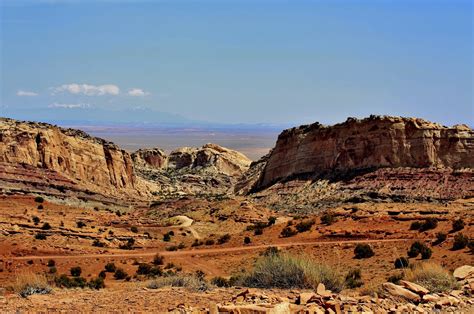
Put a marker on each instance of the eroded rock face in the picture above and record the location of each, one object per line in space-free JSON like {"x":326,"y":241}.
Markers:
{"x":211,"y":169}
{"x":88,"y":162}
{"x":374,"y":142}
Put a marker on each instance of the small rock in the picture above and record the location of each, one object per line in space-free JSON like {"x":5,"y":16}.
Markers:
{"x":305,"y":297}
{"x":430,"y":298}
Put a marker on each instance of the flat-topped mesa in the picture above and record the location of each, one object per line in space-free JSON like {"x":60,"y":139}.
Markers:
{"x":91,"y":163}
{"x":373,"y":142}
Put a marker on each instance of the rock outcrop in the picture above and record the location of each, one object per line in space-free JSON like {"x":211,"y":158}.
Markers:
{"x":211,"y":169}
{"x":86,"y":162}
{"x":374,"y":142}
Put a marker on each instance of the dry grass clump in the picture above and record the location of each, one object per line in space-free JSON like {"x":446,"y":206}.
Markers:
{"x":29,"y":283}
{"x":286,"y":271}
{"x":190,"y":282}
{"x":431,"y":276}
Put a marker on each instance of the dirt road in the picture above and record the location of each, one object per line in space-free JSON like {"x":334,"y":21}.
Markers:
{"x":204,"y":251}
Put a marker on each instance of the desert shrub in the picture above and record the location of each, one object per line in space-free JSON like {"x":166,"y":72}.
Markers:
{"x":40,"y":236}
{"x":328,"y":218}
{"x":36,"y":220}
{"x":27,"y":284}
{"x":40,"y":206}
{"x":51,"y":263}
{"x":46,"y":226}
{"x":271,"y":250}
{"x":353,"y":279}
{"x":134,"y":229}
{"x":39,"y":199}
{"x":460,"y":241}
{"x":416,"y":225}
{"x":441,"y":237}
{"x":247,"y":240}
{"x":181,"y":246}
{"x":426,"y":252}
{"x":171,"y":248}
{"x":120,"y":274}
{"x":63,"y":281}
{"x":102,"y":274}
{"x":286,"y":271}
{"x":258,"y":231}
{"x":80,"y":224}
{"x":197,"y":243}
{"x":223,"y":239}
{"x":257,"y":225}
{"x":97,"y":283}
{"x":75,"y":271}
{"x":128,"y":245}
{"x":458,"y":224}
{"x":190,"y":282}
{"x":416,"y":248}
{"x":53,"y":270}
{"x":428,"y":224}
{"x":431,"y":276}
{"x":118,"y":213}
{"x":221,"y":282}
{"x":304,"y":226}
{"x":288,"y":232}
{"x":401,"y":262}
{"x":200,"y":274}
{"x":158,"y":259}
{"x":209,"y":242}
{"x":271,"y":220}
{"x":110,"y":267}
{"x":166,"y":237}
{"x":98,"y":243}
{"x":148,"y":270}
{"x":363,"y":251}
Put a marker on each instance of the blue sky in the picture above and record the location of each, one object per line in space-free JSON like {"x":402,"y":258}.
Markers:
{"x":282,"y":62}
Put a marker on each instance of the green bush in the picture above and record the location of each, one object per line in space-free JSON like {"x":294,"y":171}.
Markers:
{"x":460,"y":241}
{"x":120,"y":274}
{"x":271,"y":220}
{"x":39,"y":199}
{"x":426,"y":252}
{"x":128,"y":245}
{"x":258,"y":231}
{"x":395,"y":278}
{"x":430,"y":223}
{"x":416,"y":225}
{"x":287,"y":272}
{"x":102,"y":274}
{"x":221,"y":282}
{"x":353,"y":279}
{"x":209,"y":242}
{"x":97,"y":283}
{"x":401,"y":262}
{"x":288,"y":232}
{"x":441,"y":237}
{"x":148,"y":270}
{"x":158,"y":259}
{"x":134,"y":229}
{"x":80,"y":224}
{"x":51,"y":263}
{"x":110,"y":267}
{"x":416,"y":248}
{"x":166,"y":237}
{"x":40,"y":236}
{"x":53,"y":270}
{"x":247,"y":240}
{"x":46,"y":226}
{"x":75,"y":271}
{"x":223,"y":239}
{"x":304,"y":226}
{"x":63,"y":281}
{"x":328,"y":218}
{"x":98,"y":243}
{"x":458,"y":225}
{"x":36,"y":220}
{"x":363,"y":251}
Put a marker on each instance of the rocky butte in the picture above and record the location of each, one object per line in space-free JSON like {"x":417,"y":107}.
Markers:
{"x":66,"y":156}
{"x":374,"y":142}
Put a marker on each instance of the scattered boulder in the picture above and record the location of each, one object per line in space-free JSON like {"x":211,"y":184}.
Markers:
{"x":399,"y":291}
{"x":414,"y":287}
{"x":463,"y":272}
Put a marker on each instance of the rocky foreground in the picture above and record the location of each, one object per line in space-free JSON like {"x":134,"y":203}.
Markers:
{"x":405,"y":297}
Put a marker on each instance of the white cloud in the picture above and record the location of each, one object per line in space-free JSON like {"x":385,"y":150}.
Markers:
{"x":26,"y":93}
{"x":137,"y":92}
{"x":86,"y":89}
{"x":69,"y":106}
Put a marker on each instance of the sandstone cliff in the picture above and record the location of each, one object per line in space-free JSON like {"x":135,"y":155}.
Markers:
{"x":86,"y":162}
{"x":211,"y":169}
{"x":374,"y":142}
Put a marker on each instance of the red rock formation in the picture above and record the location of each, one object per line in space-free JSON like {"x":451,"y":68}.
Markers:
{"x":374,"y":142}
{"x":89,"y":162}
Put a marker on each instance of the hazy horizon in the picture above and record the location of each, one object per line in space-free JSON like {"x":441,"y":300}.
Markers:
{"x":236,"y":62}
